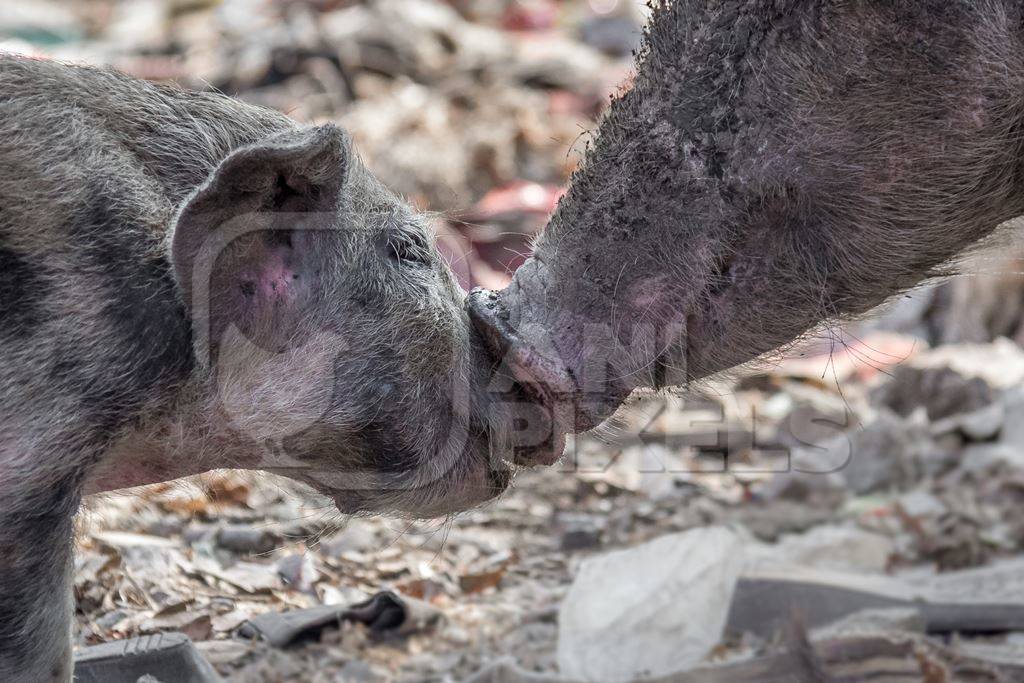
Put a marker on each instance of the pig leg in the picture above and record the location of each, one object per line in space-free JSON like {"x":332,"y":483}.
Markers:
{"x":36,"y":535}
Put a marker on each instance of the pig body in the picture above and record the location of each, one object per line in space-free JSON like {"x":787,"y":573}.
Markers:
{"x":188,"y":282}
{"x":94,"y":332}
{"x":775,"y":164}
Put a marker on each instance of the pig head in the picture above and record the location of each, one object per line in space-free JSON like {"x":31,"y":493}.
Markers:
{"x":775,"y":164}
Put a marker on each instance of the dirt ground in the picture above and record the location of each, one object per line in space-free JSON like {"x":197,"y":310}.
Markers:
{"x":890,"y":452}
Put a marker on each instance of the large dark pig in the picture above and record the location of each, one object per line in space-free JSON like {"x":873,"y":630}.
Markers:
{"x":188,"y":282}
{"x":776,"y":164}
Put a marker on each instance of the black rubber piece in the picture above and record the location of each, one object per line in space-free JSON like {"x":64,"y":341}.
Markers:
{"x":383,"y":613}
{"x":764,"y":605}
{"x":166,"y":657}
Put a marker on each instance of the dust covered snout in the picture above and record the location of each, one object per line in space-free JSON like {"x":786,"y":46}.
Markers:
{"x":535,"y":398}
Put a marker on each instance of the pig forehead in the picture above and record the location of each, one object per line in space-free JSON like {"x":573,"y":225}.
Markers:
{"x":384,"y":213}
{"x":365,"y":194}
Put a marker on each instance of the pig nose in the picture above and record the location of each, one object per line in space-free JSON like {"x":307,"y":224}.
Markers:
{"x":542,"y":379}
{"x":523,"y":412}
{"x":545,"y":381}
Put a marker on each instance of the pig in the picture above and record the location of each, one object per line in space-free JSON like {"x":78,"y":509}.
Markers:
{"x":775,"y":165}
{"x":188,"y":282}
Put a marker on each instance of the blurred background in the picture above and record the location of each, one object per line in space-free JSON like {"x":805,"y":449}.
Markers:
{"x":890,"y":449}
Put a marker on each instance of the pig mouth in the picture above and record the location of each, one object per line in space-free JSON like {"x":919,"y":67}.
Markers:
{"x":534,"y":441}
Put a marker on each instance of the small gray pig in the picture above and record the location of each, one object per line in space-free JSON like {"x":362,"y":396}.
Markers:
{"x":188,"y":282}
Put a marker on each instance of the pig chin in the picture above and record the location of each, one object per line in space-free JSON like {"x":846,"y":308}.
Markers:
{"x":440,"y":484}
{"x":467,"y":488}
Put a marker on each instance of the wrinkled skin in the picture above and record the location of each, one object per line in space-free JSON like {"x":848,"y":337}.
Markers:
{"x":187,"y":283}
{"x":776,"y":164}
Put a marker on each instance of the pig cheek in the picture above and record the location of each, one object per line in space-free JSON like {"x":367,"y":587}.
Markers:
{"x":656,"y":304}
{"x":649,"y":296}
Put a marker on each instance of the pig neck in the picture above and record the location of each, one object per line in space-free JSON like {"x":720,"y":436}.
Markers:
{"x":178,"y":136}
{"x":179,"y":436}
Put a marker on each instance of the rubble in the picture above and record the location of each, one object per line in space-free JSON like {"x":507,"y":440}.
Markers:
{"x":166,"y":656}
{"x":522,"y":575}
{"x":649,"y":610}
{"x":766,"y":600}
{"x":384,"y":614}
{"x":903,"y":535}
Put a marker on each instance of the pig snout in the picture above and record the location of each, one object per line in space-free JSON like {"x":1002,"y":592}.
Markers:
{"x":541,"y":378}
{"x":535,"y":399}
{"x":524,"y":390}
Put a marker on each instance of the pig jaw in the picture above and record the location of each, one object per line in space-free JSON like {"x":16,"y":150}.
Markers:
{"x":461,"y":470}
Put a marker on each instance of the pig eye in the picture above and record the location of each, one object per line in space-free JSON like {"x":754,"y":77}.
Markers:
{"x":409,"y":248}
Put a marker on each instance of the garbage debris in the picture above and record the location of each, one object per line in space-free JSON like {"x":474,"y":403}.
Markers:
{"x":165,"y":656}
{"x":384,"y":614}
{"x":765,"y":602}
{"x":649,"y":610}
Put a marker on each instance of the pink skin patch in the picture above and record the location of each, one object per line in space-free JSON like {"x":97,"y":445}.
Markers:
{"x":275,"y":282}
{"x":272,"y":282}
{"x":655,"y":304}
{"x":266,"y":290}
{"x":647,"y":294}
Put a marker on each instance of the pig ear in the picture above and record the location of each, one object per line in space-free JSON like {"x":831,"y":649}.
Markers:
{"x":244,"y":235}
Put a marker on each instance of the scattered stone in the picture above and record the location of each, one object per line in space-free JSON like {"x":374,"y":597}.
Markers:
{"x":357,"y":536}
{"x":921,"y":504}
{"x":885,"y":455}
{"x":1000,"y":364}
{"x":355,"y":671}
{"x":771,"y":520}
{"x":1012,"y":433}
{"x":941,"y":391}
{"x":828,"y":547}
{"x":246,"y":539}
{"x":616,"y":35}
{"x":873,"y":622}
{"x":298,"y":571}
{"x":1009,"y":651}
{"x":579,"y":531}
{"x":224,"y":652}
{"x":623,"y":617}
